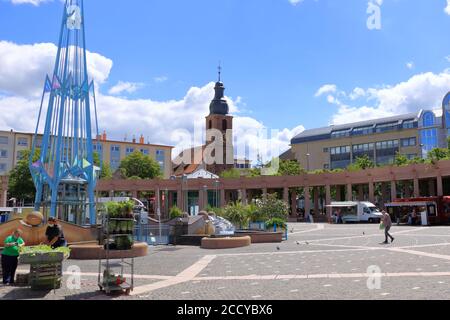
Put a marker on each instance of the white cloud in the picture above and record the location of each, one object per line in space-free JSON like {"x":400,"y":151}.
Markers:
{"x":22,"y":72}
{"x":447,"y":58}
{"x":447,"y":9}
{"x":295,"y":2}
{"x":33,"y":2}
{"x":421,"y":91}
{"x":23,"y":67}
{"x":129,"y":87}
{"x":161,"y":79}
{"x":410,"y":65}
{"x":327,"y":88}
{"x":357,"y":93}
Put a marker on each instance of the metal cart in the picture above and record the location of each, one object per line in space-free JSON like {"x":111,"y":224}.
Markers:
{"x":107,"y":280}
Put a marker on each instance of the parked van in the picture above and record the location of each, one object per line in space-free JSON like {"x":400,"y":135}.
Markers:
{"x":356,"y":211}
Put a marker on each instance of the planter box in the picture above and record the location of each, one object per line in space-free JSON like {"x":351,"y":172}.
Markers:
{"x":41,"y":258}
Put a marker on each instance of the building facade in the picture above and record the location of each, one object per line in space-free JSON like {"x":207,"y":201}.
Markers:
{"x":336,"y":147}
{"x":111,"y":152}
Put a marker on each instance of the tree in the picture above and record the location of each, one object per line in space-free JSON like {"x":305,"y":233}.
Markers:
{"x":232,"y":173}
{"x":362,"y":163}
{"x":401,"y":160}
{"x":290,"y":168}
{"x":105,"y":172}
{"x":271,"y":207}
{"x":140,"y":165}
{"x":438,"y":154}
{"x":21,"y":185}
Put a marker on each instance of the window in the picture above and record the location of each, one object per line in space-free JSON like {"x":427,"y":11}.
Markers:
{"x":325,"y":150}
{"x":429,"y":140}
{"x":129,"y":150}
{"x":408,"y":124}
{"x":428,"y":119}
{"x":115,"y":148}
{"x":210,"y":124}
{"x":409,"y":142}
{"x":22,"y":142}
{"x":3,"y":153}
{"x":386,"y":127}
{"x":144,"y":152}
{"x":161,"y":159}
{"x":387,"y":144}
{"x":340,"y":150}
{"x":2,"y":167}
{"x":340,"y":134}
{"x":19,"y":155}
{"x":411,"y":156}
{"x":363,"y":147}
{"x":97,"y":147}
{"x":4,"y":140}
{"x":362,"y":131}
{"x":224,"y":124}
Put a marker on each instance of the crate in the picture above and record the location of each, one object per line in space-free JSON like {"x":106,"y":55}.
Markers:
{"x":22,"y":280}
{"x":46,"y":276}
{"x":41,"y":258}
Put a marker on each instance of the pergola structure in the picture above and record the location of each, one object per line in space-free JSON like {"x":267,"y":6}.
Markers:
{"x":395,"y":182}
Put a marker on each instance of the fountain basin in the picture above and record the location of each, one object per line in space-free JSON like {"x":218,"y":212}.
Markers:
{"x":226,"y":242}
{"x":261,"y":236}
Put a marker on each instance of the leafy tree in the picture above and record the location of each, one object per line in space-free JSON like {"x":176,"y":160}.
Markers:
{"x":272,"y":207}
{"x":232,"y":173}
{"x":438,"y":154}
{"x":105,"y":172}
{"x":237,"y":214}
{"x":21,"y":185}
{"x":175,"y":212}
{"x":290,"y":168}
{"x":401,"y":160}
{"x":361,"y":163}
{"x":140,"y":165}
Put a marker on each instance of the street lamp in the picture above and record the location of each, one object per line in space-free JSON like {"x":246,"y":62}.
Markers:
{"x":216,"y":186}
{"x":307,"y":161}
{"x":183,"y":192}
{"x":205,"y":196}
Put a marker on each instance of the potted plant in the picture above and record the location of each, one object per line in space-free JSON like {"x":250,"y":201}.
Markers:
{"x":128,"y":209}
{"x":276,"y":223}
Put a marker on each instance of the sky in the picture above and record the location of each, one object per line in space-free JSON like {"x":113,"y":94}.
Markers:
{"x":288,"y":65}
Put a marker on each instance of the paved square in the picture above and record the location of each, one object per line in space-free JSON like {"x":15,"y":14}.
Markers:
{"x":318,"y":262}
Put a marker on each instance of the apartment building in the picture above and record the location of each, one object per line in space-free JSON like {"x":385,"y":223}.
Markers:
{"x":110,"y":151}
{"x":412,"y":134}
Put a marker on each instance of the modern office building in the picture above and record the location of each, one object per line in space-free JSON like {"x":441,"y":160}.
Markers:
{"x":110,"y":151}
{"x":412,"y":134}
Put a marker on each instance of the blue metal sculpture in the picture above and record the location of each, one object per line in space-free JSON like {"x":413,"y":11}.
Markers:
{"x":65,"y":175}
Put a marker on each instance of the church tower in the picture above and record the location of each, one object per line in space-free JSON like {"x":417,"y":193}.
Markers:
{"x":217,"y":121}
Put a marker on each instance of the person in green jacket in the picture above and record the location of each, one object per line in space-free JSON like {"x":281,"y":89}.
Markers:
{"x":10,"y":256}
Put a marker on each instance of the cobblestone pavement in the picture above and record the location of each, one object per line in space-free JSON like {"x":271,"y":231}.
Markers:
{"x":318,"y":261}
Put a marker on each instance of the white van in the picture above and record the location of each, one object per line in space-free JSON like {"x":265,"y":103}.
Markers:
{"x":356,"y":211}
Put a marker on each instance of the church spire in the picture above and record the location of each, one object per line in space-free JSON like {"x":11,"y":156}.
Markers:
{"x":219,"y":105}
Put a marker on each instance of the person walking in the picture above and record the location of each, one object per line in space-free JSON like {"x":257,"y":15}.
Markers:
{"x":55,"y":235}
{"x":387,"y":224}
{"x":10,"y":256}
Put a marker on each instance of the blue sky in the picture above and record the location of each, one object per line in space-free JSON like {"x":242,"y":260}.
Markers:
{"x":276,"y":55}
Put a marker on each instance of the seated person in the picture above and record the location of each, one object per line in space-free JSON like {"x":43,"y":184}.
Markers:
{"x":54,"y":234}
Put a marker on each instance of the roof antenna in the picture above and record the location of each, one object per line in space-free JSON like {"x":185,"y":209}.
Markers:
{"x":220,"y":70}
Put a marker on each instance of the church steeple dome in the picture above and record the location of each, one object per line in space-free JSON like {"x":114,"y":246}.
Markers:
{"x":219,"y":105}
